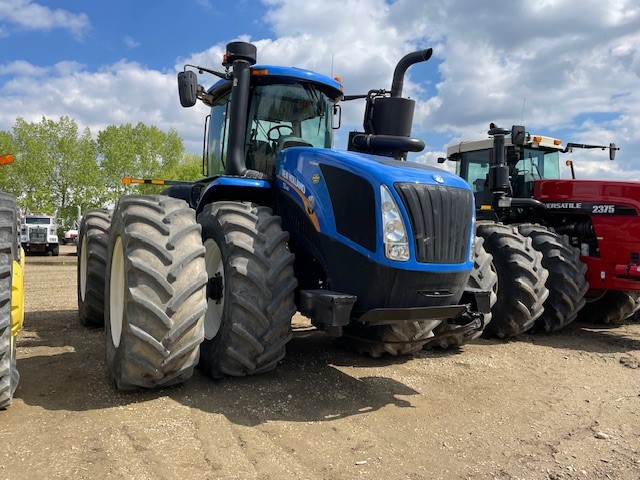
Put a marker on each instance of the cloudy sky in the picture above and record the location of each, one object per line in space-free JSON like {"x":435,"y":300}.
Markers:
{"x":561,"y":70}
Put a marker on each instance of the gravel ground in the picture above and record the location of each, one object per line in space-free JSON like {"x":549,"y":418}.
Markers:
{"x":561,"y":406}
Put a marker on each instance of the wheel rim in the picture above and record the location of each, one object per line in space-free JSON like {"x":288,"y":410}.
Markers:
{"x":495,"y":287}
{"x":83,"y":268}
{"x":215,"y":307}
{"x":116,"y":292}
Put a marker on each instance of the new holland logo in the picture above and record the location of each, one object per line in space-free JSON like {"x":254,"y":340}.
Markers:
{"x":438,"y":179}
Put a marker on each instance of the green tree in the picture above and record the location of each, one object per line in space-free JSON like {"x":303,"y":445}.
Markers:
{"x":55,"y":167}
{"x":188,"y":168}
{"x":59,"y":168}
{"x":140,"y":152}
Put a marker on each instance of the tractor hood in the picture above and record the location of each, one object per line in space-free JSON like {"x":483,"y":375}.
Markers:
{"x":305,"y":161}
{"x":567,"y":195}
{"x":341,"y":194}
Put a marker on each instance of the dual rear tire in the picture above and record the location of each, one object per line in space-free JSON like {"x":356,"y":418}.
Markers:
{"x":93,"y":239}
{"x":521,"y":289}
{"x":154,"y":299}
{"x":613,"y":307}
{"x":168,"y":282}
{"x":541,"y":279}
{"x":11,"y":297}
{"x":566,"y":282}
{"x":250,"y":293}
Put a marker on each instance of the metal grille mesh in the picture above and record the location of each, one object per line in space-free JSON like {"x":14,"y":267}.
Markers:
{"x":440,"y":219}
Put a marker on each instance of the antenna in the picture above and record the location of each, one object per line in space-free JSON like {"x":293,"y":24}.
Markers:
{"x":331,"y":65}
{"x":522,"y":113}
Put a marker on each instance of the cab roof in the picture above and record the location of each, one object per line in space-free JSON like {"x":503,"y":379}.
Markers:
{"x":533,"y":141}
{"x":329,"y":86}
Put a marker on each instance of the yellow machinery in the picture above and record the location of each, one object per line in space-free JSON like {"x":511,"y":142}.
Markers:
{"x":11,"y":293}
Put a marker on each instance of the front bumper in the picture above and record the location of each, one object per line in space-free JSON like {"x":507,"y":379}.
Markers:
{"x":331,"y":311}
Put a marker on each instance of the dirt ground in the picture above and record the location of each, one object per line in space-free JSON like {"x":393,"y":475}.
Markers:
{"x":562,"y":406}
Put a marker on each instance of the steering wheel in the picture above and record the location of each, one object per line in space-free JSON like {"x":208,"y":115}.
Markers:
{"x":277,"y":128}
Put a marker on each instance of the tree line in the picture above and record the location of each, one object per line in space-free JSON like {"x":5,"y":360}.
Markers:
{"x":59,"y":167}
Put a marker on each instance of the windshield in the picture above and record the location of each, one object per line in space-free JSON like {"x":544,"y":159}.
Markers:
{"x":284,"y":115}
{"x":290,"y":109}
{"x":281,"y":115}
{"x":530,"y":164}
{"x":525,"y":166}
{"x":539,"y":164}
{"x":38,"y":220}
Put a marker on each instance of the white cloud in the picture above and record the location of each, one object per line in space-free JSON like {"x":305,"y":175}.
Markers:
{"x":130,"y":42}
{"x":576,"y":69}
{"x":121,"y":93}
{"x":205,"y":4}
{"x":33,"y":16}
{"x":21,"y":68}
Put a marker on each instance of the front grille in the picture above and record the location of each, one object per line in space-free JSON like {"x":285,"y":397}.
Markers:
{"x":440,"y":219}
{"x":38,"y":235}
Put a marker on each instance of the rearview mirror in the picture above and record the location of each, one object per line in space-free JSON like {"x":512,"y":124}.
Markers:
{"x":188,"y":88}
{"x":517,"y":135}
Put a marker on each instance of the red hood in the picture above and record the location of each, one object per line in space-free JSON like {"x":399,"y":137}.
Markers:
{"x":597,"y":191}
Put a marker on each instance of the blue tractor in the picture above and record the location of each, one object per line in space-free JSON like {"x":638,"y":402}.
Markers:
{"x":371,"y":248}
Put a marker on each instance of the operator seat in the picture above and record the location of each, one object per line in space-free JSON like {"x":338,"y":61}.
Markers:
{"x":286,"y":141}
{"x":262,"y":157}
{"x":479,"y":184}
{"x":523,"y":185}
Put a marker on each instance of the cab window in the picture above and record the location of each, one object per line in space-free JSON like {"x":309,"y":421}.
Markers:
{"x":218,"y":134}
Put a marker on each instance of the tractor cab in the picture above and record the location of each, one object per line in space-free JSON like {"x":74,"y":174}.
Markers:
{"x":274,"y":108}
{"x":536,"y":159}
{"x":515,"y":162}
{"x":284,"y":110}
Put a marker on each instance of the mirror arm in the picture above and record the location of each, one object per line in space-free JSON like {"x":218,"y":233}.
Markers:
{"x":570,"y":145}
{"x":224,"y":76}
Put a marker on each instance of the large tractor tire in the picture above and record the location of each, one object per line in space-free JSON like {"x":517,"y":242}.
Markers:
{"x":566,"y":282}
{"x":635,"y":315}
{"x":403,"y":338}
{"x":483,"y":277}
{"x":250,"y":292}
{"x":93,"y":239}
{"x":155,"y":292}
{"x":611,"y":308}
{"x":521,"y":280}
{"x":11,"y":297}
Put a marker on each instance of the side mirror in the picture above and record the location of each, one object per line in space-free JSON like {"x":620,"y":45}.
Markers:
{"x":612,"y":151}
{"x":441,"y":159}
{"x":188,"y":88}
{"x":518,"y":135}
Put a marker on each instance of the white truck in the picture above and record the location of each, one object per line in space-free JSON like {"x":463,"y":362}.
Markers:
{"x":39,"y":233}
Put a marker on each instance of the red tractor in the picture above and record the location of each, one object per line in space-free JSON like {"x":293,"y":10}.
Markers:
{"x":588,"y":231}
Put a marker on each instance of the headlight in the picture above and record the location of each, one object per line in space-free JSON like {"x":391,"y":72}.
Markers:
{"x":394,"y":232}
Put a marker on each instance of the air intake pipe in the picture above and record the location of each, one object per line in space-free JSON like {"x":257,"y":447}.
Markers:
{"x":405,"y":62}
{"x":240,"y":56}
